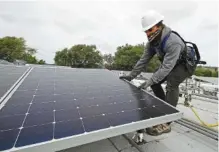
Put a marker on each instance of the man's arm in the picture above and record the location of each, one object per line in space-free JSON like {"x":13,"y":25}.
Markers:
{"x":144,"y":60}
{"x":170,"y":59}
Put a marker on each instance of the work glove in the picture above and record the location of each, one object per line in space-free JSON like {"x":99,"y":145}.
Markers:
{"x":126,"y":77}
{"x":146,"y":84}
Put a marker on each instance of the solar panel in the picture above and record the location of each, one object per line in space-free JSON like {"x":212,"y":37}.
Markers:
{"x":8,"y":76}
{"x":57,"y":108}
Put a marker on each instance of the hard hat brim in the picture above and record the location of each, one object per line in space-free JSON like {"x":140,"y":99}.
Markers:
{"x":151,"y":25}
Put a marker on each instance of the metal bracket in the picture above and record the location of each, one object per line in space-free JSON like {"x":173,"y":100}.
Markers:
{"x":138,"y":138}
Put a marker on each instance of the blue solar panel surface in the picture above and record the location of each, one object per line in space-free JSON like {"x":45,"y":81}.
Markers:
{"x":53,"y":103}
{"x":8,"y":76}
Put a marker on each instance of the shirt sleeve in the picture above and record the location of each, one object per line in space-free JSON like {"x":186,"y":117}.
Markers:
{"x":143,"y":62}
{"x":170,"y":60}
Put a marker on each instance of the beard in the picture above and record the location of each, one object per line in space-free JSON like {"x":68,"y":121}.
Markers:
{"x":155,"y":37}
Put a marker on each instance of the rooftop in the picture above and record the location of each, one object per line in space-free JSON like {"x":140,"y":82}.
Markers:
{"x":181,"y":138}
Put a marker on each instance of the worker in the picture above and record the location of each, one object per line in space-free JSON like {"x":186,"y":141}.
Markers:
{"x":177,"y":63}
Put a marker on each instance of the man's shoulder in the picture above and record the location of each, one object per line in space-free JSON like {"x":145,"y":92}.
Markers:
{"x":173,"y":40}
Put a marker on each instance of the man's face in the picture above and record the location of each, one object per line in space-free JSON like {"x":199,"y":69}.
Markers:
{"x":151,"y":31}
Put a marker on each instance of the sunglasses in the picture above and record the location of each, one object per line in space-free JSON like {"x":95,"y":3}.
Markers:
{"x":150,"y":30}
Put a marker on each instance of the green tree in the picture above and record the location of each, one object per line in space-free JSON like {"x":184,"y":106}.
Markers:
{"x":108,"y":61}
{"x":127,"y":56}
{"x":215,"y":74}
{"x":12,"y":48}
{"x":31,"y":51}
{"x":80,"y":56}
{"x":61,"y":57}
{"x":31,"y":59}
{"x":206,"y":72}
{"x":41,"y":62}
{"x":199,"y":71}
{"x":108,"y":58}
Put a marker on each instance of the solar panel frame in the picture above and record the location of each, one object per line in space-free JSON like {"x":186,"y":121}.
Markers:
{"x":76,"y":140}
{"x":87,"y":137}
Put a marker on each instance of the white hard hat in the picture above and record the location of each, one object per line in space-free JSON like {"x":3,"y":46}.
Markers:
{"x":150,"y":19}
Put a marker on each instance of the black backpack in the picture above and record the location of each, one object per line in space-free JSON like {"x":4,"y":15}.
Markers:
{"x":195,"y":56}
{"x":191,"y":60}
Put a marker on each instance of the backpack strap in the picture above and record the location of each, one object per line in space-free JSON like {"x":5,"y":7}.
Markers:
{"x":163,"y":43}
{"x":193,"y":45}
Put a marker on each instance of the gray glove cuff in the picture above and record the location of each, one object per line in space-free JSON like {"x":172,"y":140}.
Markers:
{"x":150,"y":82}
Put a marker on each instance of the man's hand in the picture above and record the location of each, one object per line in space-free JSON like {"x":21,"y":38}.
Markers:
{"x":145,"y":85}
{"x":126,"y":77}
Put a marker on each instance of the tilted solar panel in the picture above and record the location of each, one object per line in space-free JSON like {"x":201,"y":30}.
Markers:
{"x":60,"y":108}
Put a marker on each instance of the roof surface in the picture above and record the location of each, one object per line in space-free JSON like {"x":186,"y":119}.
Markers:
{"x":180,"y":139}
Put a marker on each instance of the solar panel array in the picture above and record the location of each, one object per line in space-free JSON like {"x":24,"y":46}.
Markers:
{"x":54,"y":103}
{"x":8,"y":76}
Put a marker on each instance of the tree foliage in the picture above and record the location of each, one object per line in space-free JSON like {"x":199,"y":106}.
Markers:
{"x":206,"y":72}
{"x":127,"y":56}
{"x":79,"y":56}
{"x":13,"y":48}
{"x":41,"y":62}
{"x":108,"y":61}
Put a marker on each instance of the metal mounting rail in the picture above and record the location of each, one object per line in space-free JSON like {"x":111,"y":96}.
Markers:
{"x":196,"y":127}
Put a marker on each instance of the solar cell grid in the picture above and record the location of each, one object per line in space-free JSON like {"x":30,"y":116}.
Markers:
{"x":48,"y":106}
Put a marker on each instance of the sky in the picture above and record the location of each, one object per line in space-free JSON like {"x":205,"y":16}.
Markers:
{"x":50,"y":26}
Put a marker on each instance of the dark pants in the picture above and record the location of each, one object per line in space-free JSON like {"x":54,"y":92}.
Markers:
{"x":175,"y":77}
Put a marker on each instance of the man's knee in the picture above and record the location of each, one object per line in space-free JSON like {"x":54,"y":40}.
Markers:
{"x":171,"y":86}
